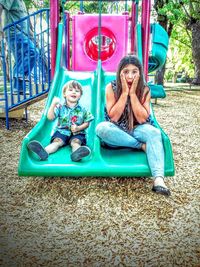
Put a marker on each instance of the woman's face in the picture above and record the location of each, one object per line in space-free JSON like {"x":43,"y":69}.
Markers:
{"x":130,"y":72}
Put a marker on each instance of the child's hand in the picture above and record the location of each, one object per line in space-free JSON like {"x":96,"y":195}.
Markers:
{"x":75,"y":128}
{"x":55,"y":101}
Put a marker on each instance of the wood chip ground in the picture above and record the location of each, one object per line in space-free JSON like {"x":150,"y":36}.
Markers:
{"x":104,"y":221}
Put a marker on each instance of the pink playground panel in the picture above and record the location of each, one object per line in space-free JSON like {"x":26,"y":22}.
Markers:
{"x":85,"y":50}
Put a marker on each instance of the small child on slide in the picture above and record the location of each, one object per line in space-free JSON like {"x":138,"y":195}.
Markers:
{"x":73,"y":119}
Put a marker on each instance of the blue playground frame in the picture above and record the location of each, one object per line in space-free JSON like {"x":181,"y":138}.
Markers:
{"x":37,"y":83}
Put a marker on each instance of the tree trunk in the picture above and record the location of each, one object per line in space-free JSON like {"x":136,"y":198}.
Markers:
{"x":168,"y":26}
{"x":159,"y":77}
{"x":195,"y":28}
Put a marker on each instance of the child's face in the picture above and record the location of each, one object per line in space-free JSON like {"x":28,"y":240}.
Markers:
{"x":72,"y":94}
{"x":130,"y":72}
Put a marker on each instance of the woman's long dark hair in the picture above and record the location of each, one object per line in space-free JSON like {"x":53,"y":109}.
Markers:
{"x":128,"y":115}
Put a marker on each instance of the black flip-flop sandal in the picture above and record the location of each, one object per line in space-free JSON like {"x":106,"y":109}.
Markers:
{"x":38,"y":149}
{"x":80,"y":153}
{"x":161,"y":190}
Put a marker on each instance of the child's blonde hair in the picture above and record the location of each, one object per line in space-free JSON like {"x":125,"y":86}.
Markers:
{"x":72,"y":84}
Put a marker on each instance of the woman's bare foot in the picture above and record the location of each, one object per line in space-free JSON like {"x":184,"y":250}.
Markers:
{"x":143,"y":147}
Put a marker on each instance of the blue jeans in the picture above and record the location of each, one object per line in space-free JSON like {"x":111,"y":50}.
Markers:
{"x":25,"y":54}
{"x":113,"y":136}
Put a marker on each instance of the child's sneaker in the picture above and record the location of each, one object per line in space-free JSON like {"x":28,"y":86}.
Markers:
{"x":38,"y":149}
{"x":81,"y":152}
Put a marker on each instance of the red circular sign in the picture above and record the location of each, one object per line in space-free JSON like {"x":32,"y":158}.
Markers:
{"x":108,"y":44}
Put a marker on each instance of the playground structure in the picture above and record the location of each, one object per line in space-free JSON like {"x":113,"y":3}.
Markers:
{"x":35,"y":61}
{"x":36,"y":83}
{"x":94,"y":78}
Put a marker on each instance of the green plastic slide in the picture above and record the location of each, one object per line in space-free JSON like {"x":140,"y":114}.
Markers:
{"x":102,"y":161}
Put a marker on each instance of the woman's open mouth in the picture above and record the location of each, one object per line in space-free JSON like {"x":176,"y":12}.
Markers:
{"x":129,"y":84}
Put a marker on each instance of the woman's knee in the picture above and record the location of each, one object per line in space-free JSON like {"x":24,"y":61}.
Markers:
{"x":103,"y":128}
{"x":154,"y":133}
{"x":147,"y":131}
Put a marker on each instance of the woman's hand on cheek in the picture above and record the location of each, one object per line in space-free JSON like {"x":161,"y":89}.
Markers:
{"x":125,"y":88}
{"x":134,"y":84}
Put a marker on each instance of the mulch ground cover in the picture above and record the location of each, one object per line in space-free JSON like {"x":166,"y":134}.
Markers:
{"x":104,"y":221}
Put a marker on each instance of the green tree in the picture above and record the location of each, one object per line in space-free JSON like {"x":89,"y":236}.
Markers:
{"x":93,"y":6}
{"x":172,"y":14}
{"x":166,"y":18}
{"x":36,"y":4}
{"x":179,"y":58}
{"x":191,"y":21}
